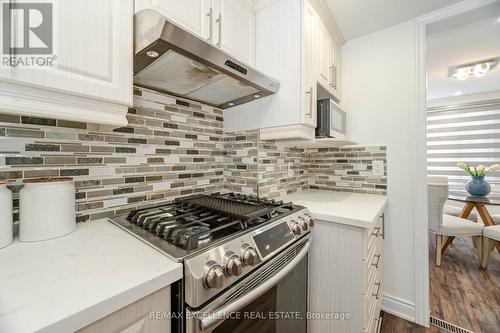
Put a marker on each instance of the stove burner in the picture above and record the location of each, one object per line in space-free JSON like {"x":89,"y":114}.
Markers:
{"x":193,"y":222}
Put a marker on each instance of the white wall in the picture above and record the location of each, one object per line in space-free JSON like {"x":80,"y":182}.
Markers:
{"x":380,"y":95}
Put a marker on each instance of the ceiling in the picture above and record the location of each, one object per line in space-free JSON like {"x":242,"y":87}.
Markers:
{"x":469,"y":43}
{"x":356,"y":18}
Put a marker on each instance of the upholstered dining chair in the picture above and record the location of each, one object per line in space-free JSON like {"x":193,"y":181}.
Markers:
{"x":447,"y":227}
{"x":491,"y":235}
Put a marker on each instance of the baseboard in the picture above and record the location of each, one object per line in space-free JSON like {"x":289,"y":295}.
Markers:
{"x":399,"y":307}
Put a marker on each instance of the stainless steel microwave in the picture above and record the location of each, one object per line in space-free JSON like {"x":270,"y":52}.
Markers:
{"x":331,"y":120}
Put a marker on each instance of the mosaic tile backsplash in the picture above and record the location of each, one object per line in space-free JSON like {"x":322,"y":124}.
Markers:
{"x":171,"y":148}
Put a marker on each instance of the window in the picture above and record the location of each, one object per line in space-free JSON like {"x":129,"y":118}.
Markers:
{"x":465,"y":133}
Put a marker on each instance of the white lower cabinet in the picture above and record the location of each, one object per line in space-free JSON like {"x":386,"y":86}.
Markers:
{"x":346,"y":277}
{"x":137,"y":317}
{"x":90,"y":76}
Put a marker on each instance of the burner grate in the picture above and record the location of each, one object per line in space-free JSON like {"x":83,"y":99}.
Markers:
{"x":243,"y":211}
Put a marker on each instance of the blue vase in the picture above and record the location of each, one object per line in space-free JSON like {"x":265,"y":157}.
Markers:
{"x":478,"y":187}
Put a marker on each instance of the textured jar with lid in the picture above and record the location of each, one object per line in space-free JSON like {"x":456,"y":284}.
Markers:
{"x":6,"y":232}
{"x":46,"y":209}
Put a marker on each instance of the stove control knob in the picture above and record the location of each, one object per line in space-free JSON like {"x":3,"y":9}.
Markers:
{"x":233,"y":264}
{"x":296,"y":228}
{"x":310,"y":221}
{"x":249,"y":256}
{"x":303,"y":224}
{"x":215,"y":275}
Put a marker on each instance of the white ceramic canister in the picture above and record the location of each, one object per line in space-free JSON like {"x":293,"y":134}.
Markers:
{"x":6,"y":232}
{"x":46,"y":209}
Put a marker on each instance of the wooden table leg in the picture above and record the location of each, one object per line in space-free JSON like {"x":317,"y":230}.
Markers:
{"x":447,"y":242}
{"x":485,"y":215}
{"x":466,"y":210}
{"x":487,"y":220}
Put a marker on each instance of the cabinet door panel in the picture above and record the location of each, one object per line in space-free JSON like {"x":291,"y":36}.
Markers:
{"x":189,"y":14}
{"x":234,"y":28}
{"x":310,"y":65}
{"x":93,"y":50}
{"x":323,"y":55}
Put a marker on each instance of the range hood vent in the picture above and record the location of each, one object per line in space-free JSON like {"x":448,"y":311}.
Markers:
{"x":171,"y":60}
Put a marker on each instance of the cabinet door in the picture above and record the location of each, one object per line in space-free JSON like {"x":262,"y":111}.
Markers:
{"x":92,"y":48}
{"x":310,"y":77}
{"x":335,"y":67}
{"x":136,"y":317}
{"x":234,"y":28}
{"x":189,"y":14}
{"x":323,"y":54}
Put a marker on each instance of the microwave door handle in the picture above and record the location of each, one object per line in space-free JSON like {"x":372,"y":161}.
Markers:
{"x":219,"y":314}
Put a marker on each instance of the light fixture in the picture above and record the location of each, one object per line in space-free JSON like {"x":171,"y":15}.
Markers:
{"x":457,"y":93}
{"x":481,"y":69}
{"x":152,"y":54}
{"x":256,"y":96}
{"x":477,"y":69}
{"x":230,"y":104}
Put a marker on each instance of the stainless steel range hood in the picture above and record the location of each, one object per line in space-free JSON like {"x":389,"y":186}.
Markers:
{"x":172,"y":60}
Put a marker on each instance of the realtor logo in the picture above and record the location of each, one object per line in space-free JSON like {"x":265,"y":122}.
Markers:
{"x":27,"y":28}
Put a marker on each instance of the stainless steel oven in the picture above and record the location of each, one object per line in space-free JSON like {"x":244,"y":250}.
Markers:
{"x":272,"y":299}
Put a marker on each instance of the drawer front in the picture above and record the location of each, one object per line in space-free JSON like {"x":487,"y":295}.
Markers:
{"x":370,"y":267}
{"x":372,"y":300}
{"x":371,"y":236}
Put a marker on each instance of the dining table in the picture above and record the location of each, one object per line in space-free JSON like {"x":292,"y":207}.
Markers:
{"x":480,"y":203}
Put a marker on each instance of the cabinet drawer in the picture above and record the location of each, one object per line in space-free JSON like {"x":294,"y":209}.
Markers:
{"x":372,"y":299}
{"x":370,"y":267}
{"x":371,"y":236}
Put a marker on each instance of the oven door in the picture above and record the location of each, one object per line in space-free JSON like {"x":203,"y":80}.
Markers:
{"x":273,"y":299}
{"x":338,"y":121}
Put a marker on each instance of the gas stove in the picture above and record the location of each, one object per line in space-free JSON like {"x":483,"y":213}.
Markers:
{"x":231,"y":246}
{"x":194,"y":223}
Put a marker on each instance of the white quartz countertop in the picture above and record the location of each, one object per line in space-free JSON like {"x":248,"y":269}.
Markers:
{"x":64,"y":284}
{"x":360,"y":210}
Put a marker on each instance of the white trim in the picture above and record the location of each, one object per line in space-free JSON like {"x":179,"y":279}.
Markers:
{"x":464,"y":99}
{"x":420,"y":223}
{"x":398,"y":307}
{"x":421,"y":243}
{"x":26,"y":100}
{"x":297,"y":131}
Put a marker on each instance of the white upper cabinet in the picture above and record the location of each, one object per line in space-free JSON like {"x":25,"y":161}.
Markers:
{"x":293,"y":45}
{"x":323,"y":54}
{"x":335,"y":67}
{"x":234,"y":22}
{"x":191,"y":15}
{"x":228,"y":24}
{"x":90,"y":78}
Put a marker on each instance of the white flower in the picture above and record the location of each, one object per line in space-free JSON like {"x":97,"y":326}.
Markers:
{"x":495,"y":167}
{"x":462,"y":165}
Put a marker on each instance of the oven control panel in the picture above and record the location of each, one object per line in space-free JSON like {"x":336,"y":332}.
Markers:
{"x":208,"y":273}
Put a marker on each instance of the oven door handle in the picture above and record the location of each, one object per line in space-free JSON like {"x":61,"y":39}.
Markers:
{"x":223,"y":312}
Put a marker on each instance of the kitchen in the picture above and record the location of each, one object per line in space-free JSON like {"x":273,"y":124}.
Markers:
{"x":211,"y":166}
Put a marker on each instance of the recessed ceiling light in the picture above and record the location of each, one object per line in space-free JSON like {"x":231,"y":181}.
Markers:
{"x":152,"y":54}
{"x":230,"y":104}
{"x":457,"y":93}
{"x":256,"y":95}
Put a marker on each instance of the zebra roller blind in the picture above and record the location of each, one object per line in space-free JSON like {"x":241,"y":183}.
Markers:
{"x":466,"y":133}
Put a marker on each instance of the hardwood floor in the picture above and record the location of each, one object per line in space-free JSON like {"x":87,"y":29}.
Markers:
{"x":461,"y":292}
{"x":393,"y":324}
